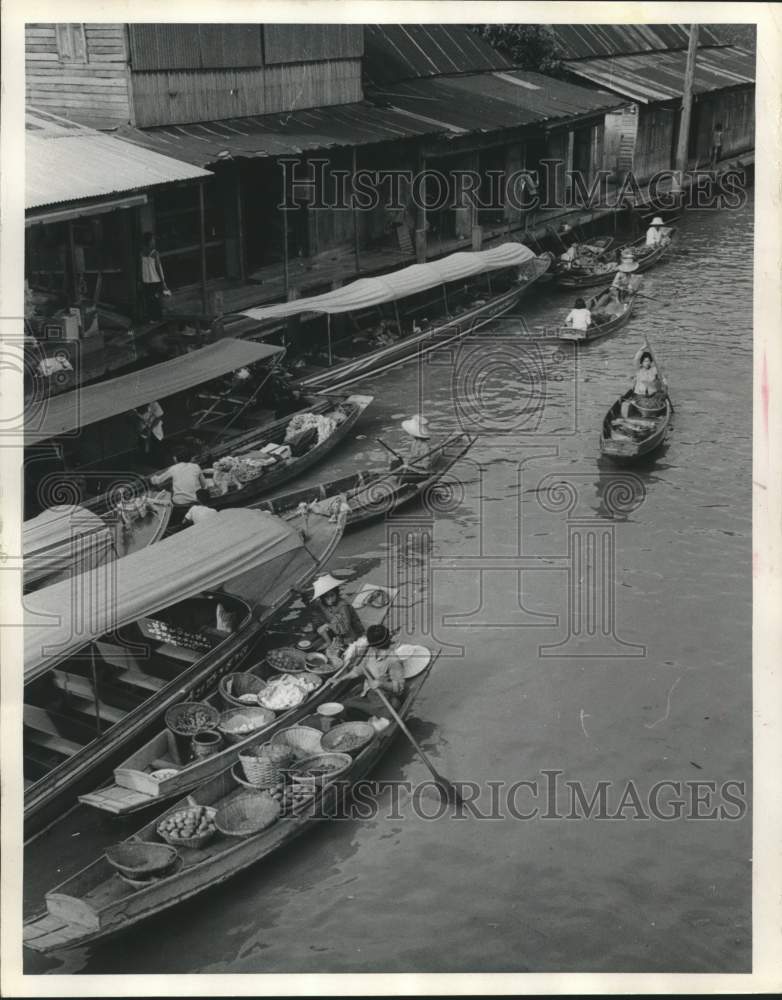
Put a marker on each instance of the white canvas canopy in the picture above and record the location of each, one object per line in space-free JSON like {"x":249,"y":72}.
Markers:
{"x":65,"y":536}
{"x":386,"y":288}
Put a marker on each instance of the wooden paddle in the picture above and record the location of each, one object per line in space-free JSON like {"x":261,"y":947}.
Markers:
{"x":448,"y":790}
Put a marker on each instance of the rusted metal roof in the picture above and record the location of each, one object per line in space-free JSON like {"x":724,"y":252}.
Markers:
{"x":588,"y":41}
{"x":68,"y":162}
{"x":411,"y":51}
{"x":279,"y":134}
{"x":659,"y":76}
{"x":484,"y":102}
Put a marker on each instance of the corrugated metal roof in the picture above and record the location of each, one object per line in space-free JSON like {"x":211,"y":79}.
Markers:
{"x":68,"y":162}
{"x":410,"y":51}
{"x":659,"y":76}
{"x":588,"y":41}
{"x":484,"y":102}
{"x":280,"y":134}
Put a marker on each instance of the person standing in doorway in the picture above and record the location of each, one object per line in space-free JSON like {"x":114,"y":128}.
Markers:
{"x":153,"y":280}
{"x":716,"y":145}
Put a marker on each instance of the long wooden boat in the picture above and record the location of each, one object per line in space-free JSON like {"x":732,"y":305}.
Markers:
{"x":370,"y":495}
{"x":594,"y":248}
{"x":343,"y":414}
{"x":415,"y":292}
{"x":105,"y":659}
{"x":97,"y":902}
{"x":646,"y":257}
{"x":134,"y":788}
{"x":629,"y":438}
{"x":66,"y":540}
{"x":598,"y":330}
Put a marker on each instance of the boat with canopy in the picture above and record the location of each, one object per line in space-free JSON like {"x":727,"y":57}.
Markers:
{"x":449,"y":286}
{"x":104,"y":659}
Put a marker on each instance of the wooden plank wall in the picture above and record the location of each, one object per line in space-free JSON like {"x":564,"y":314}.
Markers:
{"x":735,"y":109}
{"x":179,"y":96}
{"x":654,"y":142}
{"x":97,"y":88}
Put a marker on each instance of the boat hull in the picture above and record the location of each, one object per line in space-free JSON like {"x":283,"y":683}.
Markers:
{"x":623,"y":451}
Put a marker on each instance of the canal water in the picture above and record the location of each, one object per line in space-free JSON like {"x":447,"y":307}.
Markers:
{"x":594,"y":621}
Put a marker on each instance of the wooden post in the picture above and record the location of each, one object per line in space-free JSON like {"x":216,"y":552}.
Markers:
{"x":285,"y":274}
{"x":354,"y":211}
{"x":684,"y":125}
{"x":74,"y":289}
{"x":420,"y":217}
{"x":202,"y":220}
{"x":328,"y":325}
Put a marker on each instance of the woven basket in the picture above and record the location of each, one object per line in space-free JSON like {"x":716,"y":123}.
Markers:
{"x":320,"y":665}
{"x":361,"y":733}
{"x":140,"y":859}
{"x":257,"y":717}
{"x":338,"y":763}
{"x":286,"y":660}
{"x":239,"y":772}
{"x":303,"y":740}
{"x":259,"y":771}
{"x":233,"y":685}
{"x":247,"y":814}
{"x":197,"y":841}
{"x":191,"y":717}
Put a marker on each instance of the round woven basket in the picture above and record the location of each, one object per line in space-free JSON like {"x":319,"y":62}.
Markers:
{"x":197,"y":841}
{"x":256,"y":717}
{"x":232,"y":686}
{"x":247,"y":814}
{"x":191,"y":717}
{"x":141,"y":859}
{"x":286,"y":660}
{"x":348,"y":737}
{"x":303,"y":740}
{"x":239,"y":774}
{"x":337,"y":763}
{"x":260,"y":772}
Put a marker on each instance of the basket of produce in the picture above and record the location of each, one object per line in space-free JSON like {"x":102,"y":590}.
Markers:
{"x":247,"y":814}
{"x":263,"y":766}
{"x":288,"y":691}
{"x":141,"y":860}
{"x":238,"y":723}
{"x":191,"y":717}
{"x":348,"y":737}
{"x":302,"y":740}
{"x":287,"y":660}
{"x":320,"y":768}
{"x":320,"y":665}
{"x":142,"y":883}
{"x":190,"y":827}
{"x":237,"y":690}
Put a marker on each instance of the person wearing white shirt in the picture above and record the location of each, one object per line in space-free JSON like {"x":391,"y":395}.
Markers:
{"x":579,"y":317}
{"x":654,"y":235}
{"x":187,"y":484}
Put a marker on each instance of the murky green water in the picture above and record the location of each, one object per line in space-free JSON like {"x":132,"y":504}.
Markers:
{"x":661,"y":691}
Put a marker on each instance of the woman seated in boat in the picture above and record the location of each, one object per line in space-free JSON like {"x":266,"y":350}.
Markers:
{"x":340,"y":622}
{"x":381,"y":669}
{"x":385,"y":334}
{"x":655,"y":234}
{"x":611,"y":302}
{"x":579,"y":317}
{"x":649,"y":388}
{"x":418,"y":463}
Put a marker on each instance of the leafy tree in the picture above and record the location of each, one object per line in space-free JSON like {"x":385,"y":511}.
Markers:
{"x":528,"y":46}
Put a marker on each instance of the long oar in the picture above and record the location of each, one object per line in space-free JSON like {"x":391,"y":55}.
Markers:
{"x":448,"y":790}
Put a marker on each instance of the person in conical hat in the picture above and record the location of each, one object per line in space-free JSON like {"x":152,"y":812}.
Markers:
{"x":610,"y":302}
{"x":340,"y":623}
{"x":418,"y":456}
{"x":654,"y":234}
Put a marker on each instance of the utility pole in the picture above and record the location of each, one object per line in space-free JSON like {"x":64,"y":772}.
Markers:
{"x":684,"y":123}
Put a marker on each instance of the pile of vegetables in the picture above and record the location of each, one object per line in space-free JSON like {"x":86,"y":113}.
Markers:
{"x":187,"y":823}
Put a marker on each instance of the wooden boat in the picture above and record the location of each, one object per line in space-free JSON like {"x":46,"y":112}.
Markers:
{"x":370,"y":495}
{"x":629,"y":438}
{"x":134,"y":788}
{"x":346,"y":410}
{"x":98,"y":902}
{"x":415,"y":291}
{"x":620,"y":318}
{"x":646,"y":257}
{"x":104,"y":660}
{"x":67,"y":540}
{"x":595,"y":248}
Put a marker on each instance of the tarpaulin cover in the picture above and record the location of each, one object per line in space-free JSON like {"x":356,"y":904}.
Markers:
{"x":64,"y":536}
{"x":62,"y":618}
{"x":417,"y":278}
{"x":89,"y":404}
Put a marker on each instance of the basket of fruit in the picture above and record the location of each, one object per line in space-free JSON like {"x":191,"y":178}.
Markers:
{"x":287,"y":660}
{"x":320,"y":768}
{"x":191,"y":717}
{"x":238,"y":723}
{"x":140,"y":859}
{"x":320,"y":665}
{"x":238,"y":690}
{"x":247,"y":814}
{"x":348,"y":737}
{"x":263,"y":765}
{"x":190,"y":827}
{"x":304,"y":741}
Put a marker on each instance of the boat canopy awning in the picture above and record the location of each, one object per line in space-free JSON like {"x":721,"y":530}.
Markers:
{"x":89,"y":404}
{"x":61,"y":534}
{"x":65,"y":617}
{"x":368,"y":292}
